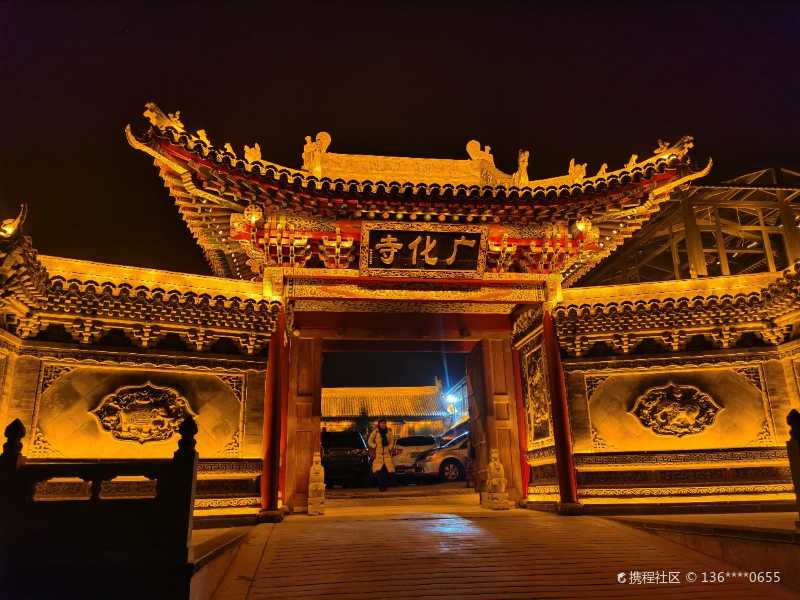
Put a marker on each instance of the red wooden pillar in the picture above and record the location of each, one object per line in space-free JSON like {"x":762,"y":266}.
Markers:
{"x":565,"y":462}
{"x":274,"y":439}
{"x":521,"y":422}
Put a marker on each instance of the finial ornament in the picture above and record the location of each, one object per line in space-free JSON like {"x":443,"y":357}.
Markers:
{"x":252,"y":153}
{"x":187,"y":429}
{"x":11,"y":227}
{"x":662,"y":147}
{"x":313,"y":151}
{"x":484,"y":160}
{"x":14,"y":433}
{"x":158,"y":118}
{"x":475,"y":152}
{"x":576,"y":171}
{"x":520,"y":177}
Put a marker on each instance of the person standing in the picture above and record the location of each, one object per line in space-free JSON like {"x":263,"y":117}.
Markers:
{"x":381,"y":447}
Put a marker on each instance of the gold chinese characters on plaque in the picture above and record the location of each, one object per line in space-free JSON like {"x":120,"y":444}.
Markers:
{"x":423,"y":250}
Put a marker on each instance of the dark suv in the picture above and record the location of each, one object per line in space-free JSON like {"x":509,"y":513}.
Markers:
{"x":345,"y":458}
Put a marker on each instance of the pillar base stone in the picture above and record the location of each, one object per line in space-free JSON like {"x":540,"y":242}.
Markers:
{"x":495,"y":500}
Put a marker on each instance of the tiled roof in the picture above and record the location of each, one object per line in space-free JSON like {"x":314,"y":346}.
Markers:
{"x":89,"y":299}
{"x":374,"y":402}
{"x":212,"y":187}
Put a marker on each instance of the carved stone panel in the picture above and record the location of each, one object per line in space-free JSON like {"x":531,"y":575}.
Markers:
{"x":142,"y":413}
{"x":116,"y":411}
{"x":536,"y":397}
{"x":675,"y":409}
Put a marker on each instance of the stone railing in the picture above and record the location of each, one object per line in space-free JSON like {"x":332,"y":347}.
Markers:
{"x":115,"y":544}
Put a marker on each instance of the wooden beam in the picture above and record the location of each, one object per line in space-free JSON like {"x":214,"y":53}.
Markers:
{"x":767,"y":245}
{"x":401,"y":326}
{"x":676,"y":261}
{"x":791,"y":235}
{"x":439,"y":346}
{"x":723,"y":257}
{"x":694,"y":243}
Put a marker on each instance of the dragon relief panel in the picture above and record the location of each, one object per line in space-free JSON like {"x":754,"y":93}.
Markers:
{"x":675,"y":410}
{"x":536,"y":396}
{"x":142,"y":413}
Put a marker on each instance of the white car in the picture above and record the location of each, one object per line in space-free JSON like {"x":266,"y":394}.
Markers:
{"x":448,"y":462}
{"x":407,"y":449}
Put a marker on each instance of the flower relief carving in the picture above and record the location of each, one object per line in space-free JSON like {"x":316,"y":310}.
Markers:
{"x":142,"y":413}
{"x":50,"y":373}
{"x":592,"y":383}
{"x":753,"y":376}
{"x":235,"y":383}
{"x":675,"y":410}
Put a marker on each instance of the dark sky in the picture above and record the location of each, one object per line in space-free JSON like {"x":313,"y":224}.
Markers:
{"x":368,"y":369}
{"x":596,"y":81}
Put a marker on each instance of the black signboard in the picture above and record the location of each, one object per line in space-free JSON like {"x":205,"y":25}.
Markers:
{"x":423,"y":250}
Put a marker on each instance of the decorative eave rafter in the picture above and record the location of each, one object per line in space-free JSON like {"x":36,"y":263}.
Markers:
{"x":213,"y":187}
{"x":89,"y":299}
{"x":721,"y":309}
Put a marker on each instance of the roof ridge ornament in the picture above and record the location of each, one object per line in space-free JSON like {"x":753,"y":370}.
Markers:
{"x":10,"y":228}
{"x":485,"y":161}
{"x":158,"y":118}
{"x":252,"y":153}
{"x":313,"y":151}
{"x":203,"y":137}
{"x":520,"y":176}
{"x":576,"y":171}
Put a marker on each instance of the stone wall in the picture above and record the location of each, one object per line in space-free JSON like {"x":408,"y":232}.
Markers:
{"x":682,"y":427}
{"x":105,"y":403}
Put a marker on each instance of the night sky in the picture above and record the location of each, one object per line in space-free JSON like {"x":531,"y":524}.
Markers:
{"x":595,"y":81}
{"x":368,"y":369}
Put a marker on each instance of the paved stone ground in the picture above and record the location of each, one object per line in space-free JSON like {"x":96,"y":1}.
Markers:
{"x":460,"y":551}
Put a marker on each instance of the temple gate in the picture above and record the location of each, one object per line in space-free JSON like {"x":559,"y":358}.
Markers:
{"x":377,"y":252}
{"x":359,"y":249}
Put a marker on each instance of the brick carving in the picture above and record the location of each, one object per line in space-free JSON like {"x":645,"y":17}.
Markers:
{"x":675,"y":410}
{"x":142,"y":413}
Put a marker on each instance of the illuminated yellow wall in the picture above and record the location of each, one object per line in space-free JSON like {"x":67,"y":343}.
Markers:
{"x":63,"y":402}
{"x":743,"y":417}
{"x":721,"y":438}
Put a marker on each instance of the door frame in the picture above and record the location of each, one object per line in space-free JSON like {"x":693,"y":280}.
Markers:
{"x":314,"y":333}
